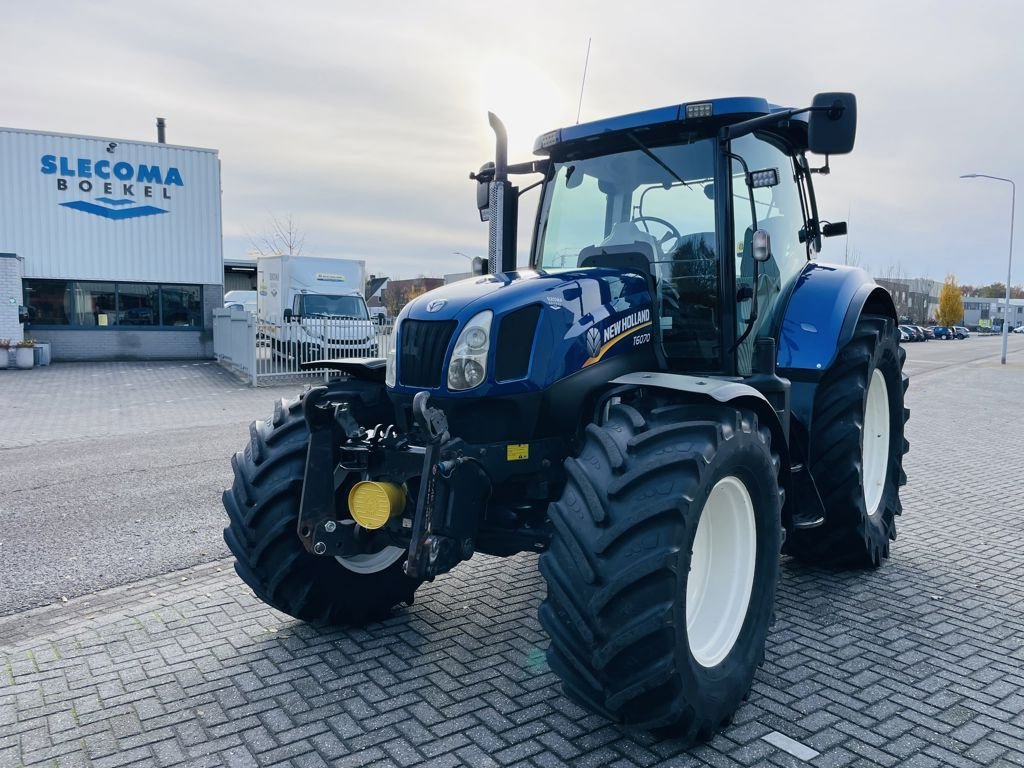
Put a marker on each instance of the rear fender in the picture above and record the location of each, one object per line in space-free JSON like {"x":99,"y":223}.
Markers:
{"x":734,"y":393}
{"x":820,"y":318}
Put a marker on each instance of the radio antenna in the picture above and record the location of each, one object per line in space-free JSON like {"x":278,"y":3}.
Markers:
{"x":586,"y":61}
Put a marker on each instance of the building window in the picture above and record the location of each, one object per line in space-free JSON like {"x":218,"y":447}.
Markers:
{"x":48,"y":301}
{"x":139,"y":304}
{"x":87,"y":304}
{"x":95,"y":304}
{"x":182,"y":305}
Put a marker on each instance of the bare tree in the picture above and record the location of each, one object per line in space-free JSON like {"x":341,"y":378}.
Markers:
{"x":851,"y":257}
{"x":283,"y":238}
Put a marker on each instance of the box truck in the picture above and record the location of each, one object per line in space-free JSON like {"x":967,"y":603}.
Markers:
{"x":313,"y":307}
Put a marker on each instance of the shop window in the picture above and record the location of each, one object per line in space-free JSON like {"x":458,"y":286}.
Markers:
{"x":48,"y":301}
{"x":138,"y":304}
{"x":95,"y":305}
{"x":182,"y":305}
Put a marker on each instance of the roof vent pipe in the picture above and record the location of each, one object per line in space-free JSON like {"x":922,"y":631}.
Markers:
{"x":160,"y":125}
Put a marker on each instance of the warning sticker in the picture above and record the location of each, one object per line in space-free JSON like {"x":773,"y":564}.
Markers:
{"x":517,"y":452}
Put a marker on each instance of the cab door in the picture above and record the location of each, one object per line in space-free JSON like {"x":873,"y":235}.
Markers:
{"x":776,"y":210}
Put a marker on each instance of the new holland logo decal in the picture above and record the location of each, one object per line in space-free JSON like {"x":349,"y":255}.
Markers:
{"x":600,"y":341}
{"x":594,"y":341}
{"x":125,"y":189}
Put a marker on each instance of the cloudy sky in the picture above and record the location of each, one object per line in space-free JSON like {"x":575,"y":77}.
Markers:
{"x":362,"y":120}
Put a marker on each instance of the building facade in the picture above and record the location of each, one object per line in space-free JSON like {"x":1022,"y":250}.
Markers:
{"x":916,"y":299}
{"x":984,"y":312}
{"x":118,"y":244}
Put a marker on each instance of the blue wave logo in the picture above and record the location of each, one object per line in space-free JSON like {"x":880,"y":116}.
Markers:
{"x":112,"y":209}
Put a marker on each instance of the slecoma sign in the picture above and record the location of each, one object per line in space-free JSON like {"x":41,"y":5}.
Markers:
{"x":120,"y":183}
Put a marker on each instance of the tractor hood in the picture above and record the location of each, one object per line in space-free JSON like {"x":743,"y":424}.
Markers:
{"x":545,"y":326}
{"x":502,"y":291}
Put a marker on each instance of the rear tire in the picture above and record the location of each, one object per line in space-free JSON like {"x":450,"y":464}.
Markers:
{"x":263,"y":512}
{"x":662,"y":568}
{"x":858,"y":406}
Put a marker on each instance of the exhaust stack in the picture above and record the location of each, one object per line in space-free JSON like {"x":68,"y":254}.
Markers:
{"x":503,"y":206}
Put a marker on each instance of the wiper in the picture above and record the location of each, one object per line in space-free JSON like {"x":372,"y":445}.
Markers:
{"x":657,"y":159}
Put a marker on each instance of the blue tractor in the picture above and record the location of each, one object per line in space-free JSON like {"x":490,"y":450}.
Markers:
{"x":670,"y":394}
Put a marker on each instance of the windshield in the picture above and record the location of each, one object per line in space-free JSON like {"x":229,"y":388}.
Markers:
{"x":650,"y":211}
{"x":334,"y":306}
{"x":660,"y":198}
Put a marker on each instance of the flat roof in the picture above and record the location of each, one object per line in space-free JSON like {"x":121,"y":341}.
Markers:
{"x":107,"y":138}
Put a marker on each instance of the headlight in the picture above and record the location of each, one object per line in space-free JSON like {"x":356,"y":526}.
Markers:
{"x":391,"y":368}
{"x":468,"y":367}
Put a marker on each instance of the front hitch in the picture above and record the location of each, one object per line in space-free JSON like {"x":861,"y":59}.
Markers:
{"x":325,"y":420}
{"x":454,"y":485}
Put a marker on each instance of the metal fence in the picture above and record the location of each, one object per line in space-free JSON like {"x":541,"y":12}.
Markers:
{"x":262,"y":351}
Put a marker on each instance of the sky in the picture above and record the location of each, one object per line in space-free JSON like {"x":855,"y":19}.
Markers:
{"x":362,"y":121}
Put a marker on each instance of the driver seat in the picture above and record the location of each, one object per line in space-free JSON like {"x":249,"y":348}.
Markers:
{"x":627,"y":248}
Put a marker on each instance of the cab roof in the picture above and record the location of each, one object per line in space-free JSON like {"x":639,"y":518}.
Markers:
{"x":709,"y":114}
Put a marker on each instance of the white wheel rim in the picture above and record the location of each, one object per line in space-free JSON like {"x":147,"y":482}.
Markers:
{"x":721,"y":572}
{"x":378,"y":561}
{"x":875,"y":442}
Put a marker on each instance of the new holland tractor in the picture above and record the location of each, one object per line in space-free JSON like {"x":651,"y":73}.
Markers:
{"x":670,"y":394}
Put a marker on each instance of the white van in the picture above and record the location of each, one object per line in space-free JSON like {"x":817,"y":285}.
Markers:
{"x":240,"y":300}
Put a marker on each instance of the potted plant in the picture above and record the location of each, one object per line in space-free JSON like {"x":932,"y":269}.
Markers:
{"x":5,"y":352}
{"x":24,"y":354}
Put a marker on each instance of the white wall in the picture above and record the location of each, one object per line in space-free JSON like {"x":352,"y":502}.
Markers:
{"x":173,"y":235}
{"x":10,"y":297}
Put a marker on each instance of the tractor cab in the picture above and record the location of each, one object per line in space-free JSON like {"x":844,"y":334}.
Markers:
{"x":712,"y":202}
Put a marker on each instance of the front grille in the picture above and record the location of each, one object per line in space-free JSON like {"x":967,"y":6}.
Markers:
{"x":515,"y":343}
{"x":421,"y":348}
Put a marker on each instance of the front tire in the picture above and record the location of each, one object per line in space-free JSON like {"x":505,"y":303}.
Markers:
{"x":263,"y":513}
{"x":856,"y":450}
{"x":662,"y":568}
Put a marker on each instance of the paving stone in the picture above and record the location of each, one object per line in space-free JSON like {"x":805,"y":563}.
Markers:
{"x":915,"y":664}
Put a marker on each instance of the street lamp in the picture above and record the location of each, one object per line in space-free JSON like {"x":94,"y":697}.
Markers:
{"x":477,"y":262}
{"x":1009,"y":266}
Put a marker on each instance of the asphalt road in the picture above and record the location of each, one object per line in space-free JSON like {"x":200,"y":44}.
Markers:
{"x":112,"y":472}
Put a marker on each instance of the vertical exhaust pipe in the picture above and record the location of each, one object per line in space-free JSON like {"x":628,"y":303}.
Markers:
{"x":161,"y":137}
{"x":503,"y":205}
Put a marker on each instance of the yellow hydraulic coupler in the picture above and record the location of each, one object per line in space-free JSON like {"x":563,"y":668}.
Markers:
{"x":372,"y":504}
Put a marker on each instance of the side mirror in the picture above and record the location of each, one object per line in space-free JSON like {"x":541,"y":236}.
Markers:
{"x":479,"y":266}
{"x":761,"y":246}
{"x":287,"y":314}
{"x":832,"y":127}
{"x":483,"y":190}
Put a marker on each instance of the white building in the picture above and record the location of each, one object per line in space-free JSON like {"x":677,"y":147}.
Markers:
{"x":114,"y":247}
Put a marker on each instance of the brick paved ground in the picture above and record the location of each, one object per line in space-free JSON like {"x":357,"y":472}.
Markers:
{"x":918,"y":664}
{"x":66,"y":401}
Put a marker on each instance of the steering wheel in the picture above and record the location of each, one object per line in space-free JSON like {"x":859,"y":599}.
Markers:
{"x":672,"y":235}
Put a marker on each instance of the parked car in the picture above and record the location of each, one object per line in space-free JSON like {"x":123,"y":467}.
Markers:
{"x":926,"y":332}
{"x":915,"y":333}
{"x":1019,"y":329}
{"x":904,"y":335}
{"x":942,"y":332}
{"x":960,"y":332}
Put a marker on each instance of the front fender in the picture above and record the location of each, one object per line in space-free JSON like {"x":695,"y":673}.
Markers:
{"x":734,"y":393}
